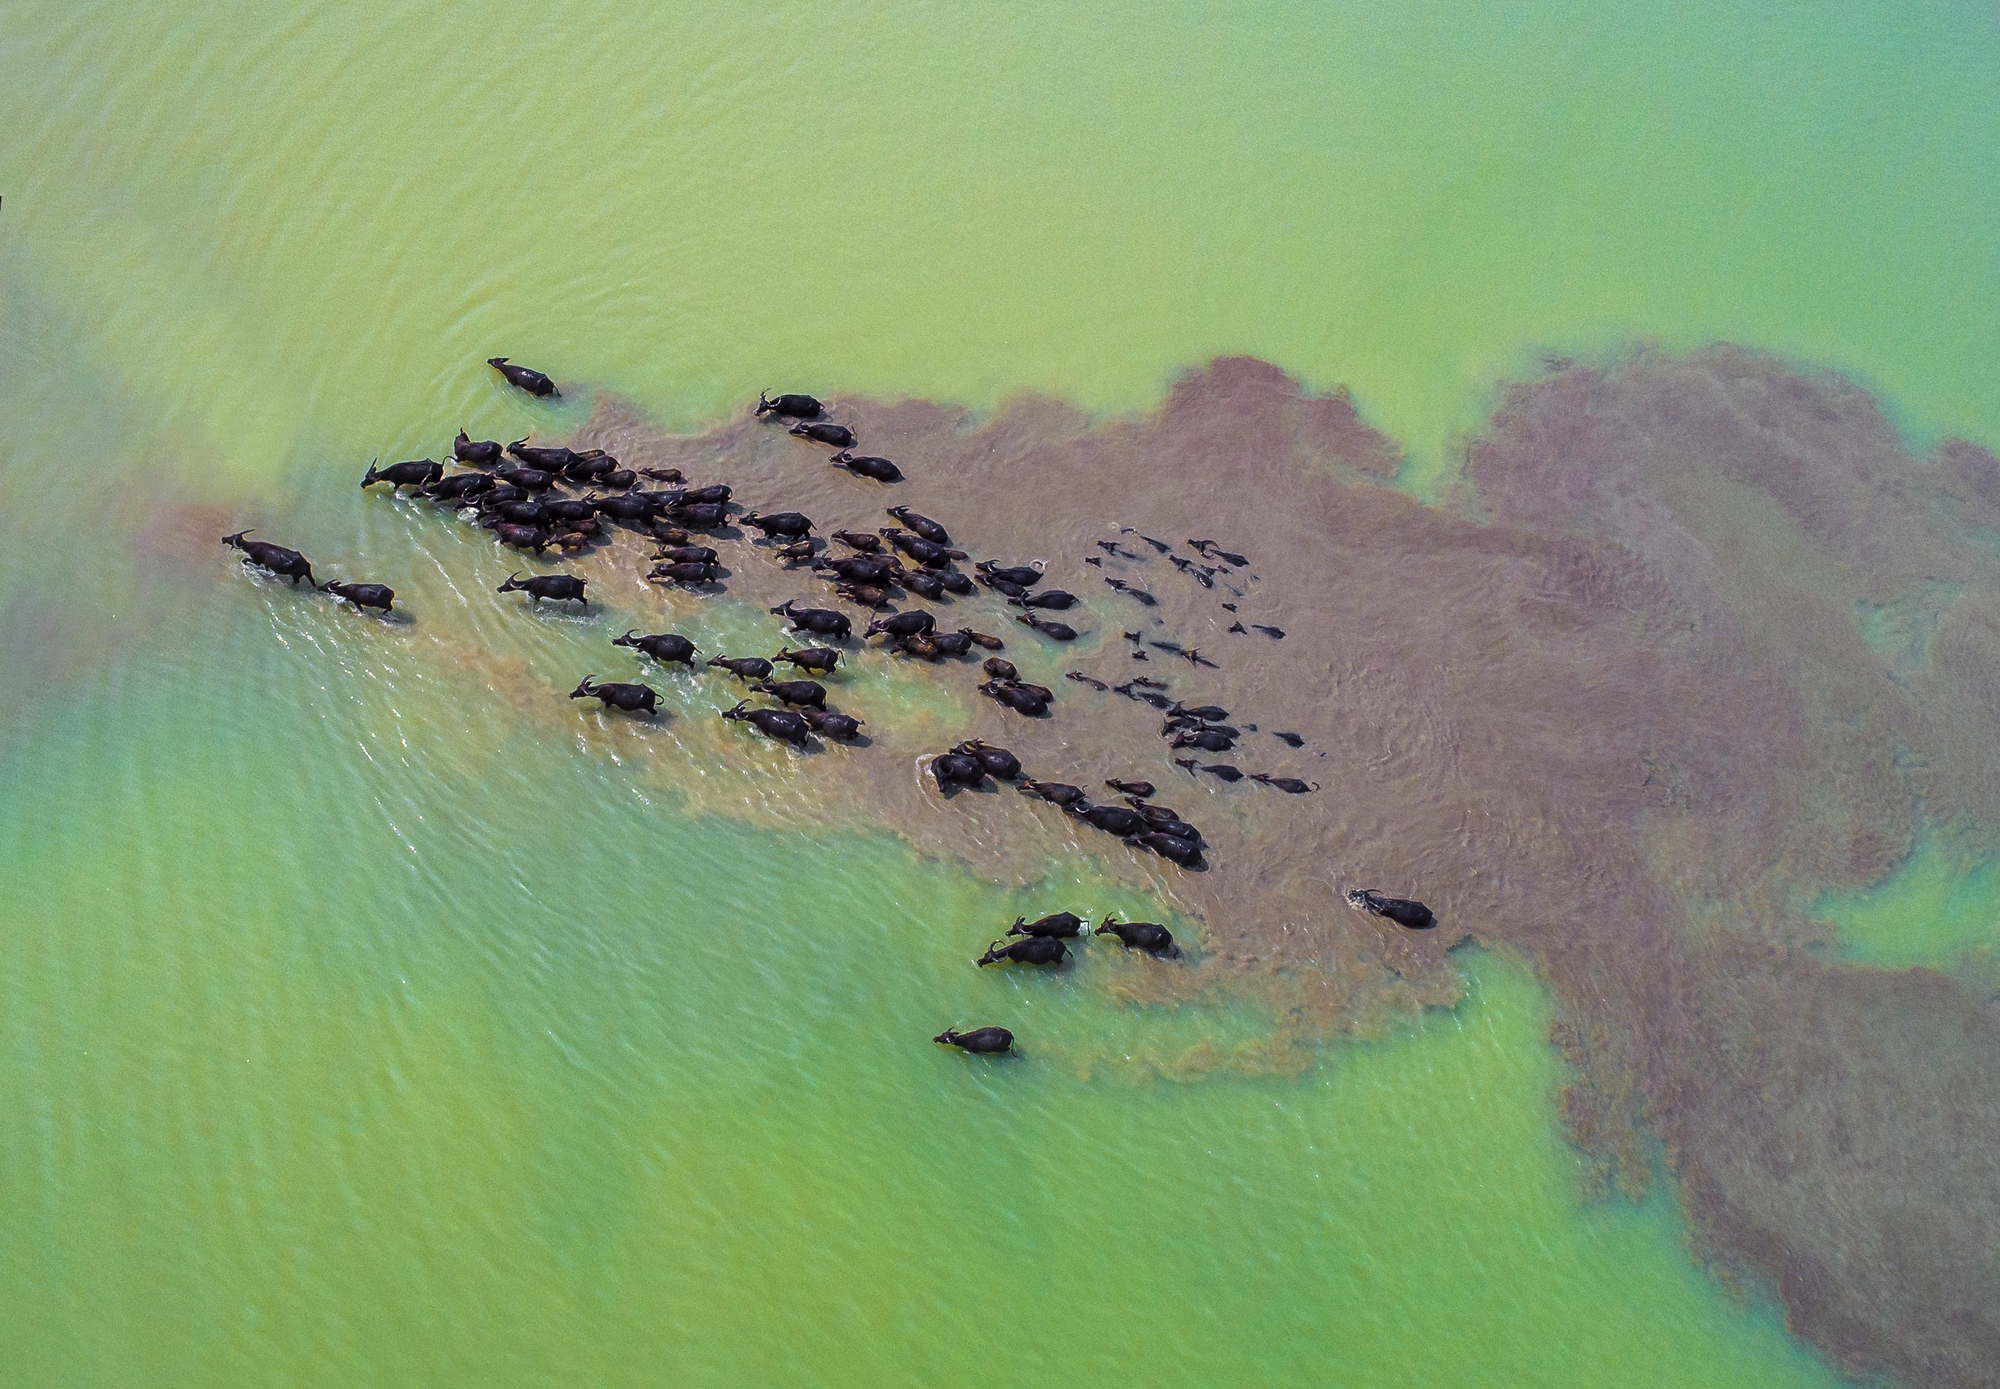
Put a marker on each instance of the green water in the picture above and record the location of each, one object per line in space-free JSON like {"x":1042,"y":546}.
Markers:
{"x":353,"y":1031}
{"x":1940,"y":908}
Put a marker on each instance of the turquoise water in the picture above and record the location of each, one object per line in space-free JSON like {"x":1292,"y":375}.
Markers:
{"x":361,"y":1022}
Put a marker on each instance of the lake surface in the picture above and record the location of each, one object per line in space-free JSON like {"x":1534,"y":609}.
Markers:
{"x":353,"y":1033}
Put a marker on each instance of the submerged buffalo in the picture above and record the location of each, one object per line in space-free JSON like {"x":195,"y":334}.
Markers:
{"x":929,"y":553}
{"x":276,"y":558}
{"x":1148,"y":936}
{"x":633,"y":699}
{"x":1000,"y":668}
{"x":1058,"y":926}
{"x":1174,"y":848}
{"x":553,"y":587}
{"x":825,"y":432}
{"x":1055,"y":631}
{"x":1020,"y":575}
{"x":1290,"y":785}
{"x":981,"y":1041}
{"x":1034,"y":950}
{"x":1031,"y":700}
{"x":956,"y":769}
{"x":998,"y":762}
{"x":418,"y":472}
{"x":1112,"y":819}
{"x":525,"y":378}
{"x":866,"y":465}
{"x":477,"y":453}
{"x":1403,"y":911}
{"x":363,"y":595}
{"x":1054,"y":599}
{"x":781,"y":724}
{"x":666,"y":647}
{"x":922,"y":525}
{"x":1141,"y":789}
{"x":798,"y":407}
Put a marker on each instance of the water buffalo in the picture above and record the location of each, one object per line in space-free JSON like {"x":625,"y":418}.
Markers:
{"x":744,"y":667}
{"x":276,"y":558}
{"x":1112,"y":819}
{"x":856,"y":569}
{"x":1292,"y":740}
{"x":1017,"y":697}
{"x":633,"y":511}
{"x":687,"y":554}
{"x":632,"y":699}
{"x":666,"y":647}
{"x":1009,"y":591}
{"x":1274,"y":633}
{"x":798,"y":407}
{"x":1021,"y":575}
{"x":682,"y":574}
{"x":477,"y":453}
{"x":700,"y":515}
{"x":550,"y":586}
{"x":533,"y":382}
{"x":521,"y":537}
{"x":991,"y":643}
{"x":794,"y":691}
{"x":924,"y":584}
{"x":551,"y":458}
{"x":951,"y":769}
{"x":521,"y":513}
{"x":913,"y":623}
{"x":570,"y":541}
{"x":928,"y":553}
{"x":1174,"y":847}
{"x":831,"y":725}
{"x":1055,"y":631}
{"x":716,"y":492}
{"x":1054,"y":792}
{"x":527,"y":479}
{"x":1033,"y":950}
{"x":1403,"y":911}
{"x":459,"y":487}
{"x":1221,"y":771}
{"x":825,"y":621}
{"x":1139,"y":594}
{"x":825,"y":432}
{"x":951,"y":643}
{"x":1204,"y":547}
{"x":1000,"y":668}
{"x":997,"y":762}
{"x":866,"y":465}
{"x":864,"y":594}
{"x":780,"y":724}
{"x":570,"y":509}
{"x":924,"y":526}
{"x":1059,"y":926}
{"x":819,"y":658}
{"x":418,"y":472}
{"x":1054,"y":599}
{"x":1290,"y":785}
{"x":953,"y":581}
{"x":363,"y":595}
{"x":1207,"y":739}
{"x":860,"y":540}
{"x":797,"y":550}
{"x":1148,"y":936}
{"x":787,"y":523}
{"x":981,"y":1041}
{"x":923,"y":648}
{"x":499,"y":494}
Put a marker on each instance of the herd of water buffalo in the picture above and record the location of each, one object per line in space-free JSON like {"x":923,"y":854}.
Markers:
{"x":513,"y":490}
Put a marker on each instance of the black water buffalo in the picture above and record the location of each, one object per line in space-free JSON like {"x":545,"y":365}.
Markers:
{"x":618,"y":479}
{"x":924,"y":584}
{"x":1112,"y":819}
{"x":797,"y":550}
{"x":950,"y":769}
{"x":913,"y":623}
{"x":570,"y":509}
{"x":981,"y":1041}
{"x":952,"y":581}
{"x":922,"y":525}
{"x":798,"y":407}
{"x":1002,"y":587}
{"x":923,"y":648}
{"x":1000,"y":668}
{"x":820,"y":658}
{"x":1034,"y":950}
{"x":499,"y":494}
{"x":548,"y":457}
{"x":1290,"y":740}
{"x":521,"y":537}
{"x":1021,"y":575}
{"x":533,"y":382}
{"x":683,"y":574}
{"x":1054,"y":599}
{"x":478,"y":453}
{"x":825,"y":432}
{"x":633,"y":511}
{"x":566,"y":587}
{"x":459,"y":487}
{"x":1163,"y":819}
{"x":856,"y":569}
{"x":1403,"y":911}
{"x":744,"y":667}
{"x":632,"y":699}
{"x":780,"y":724}
{"x":700,"y":515}
{"x":864,"y":594}
{"x":527,"y":479}
{"x":1054,"y":792}
{"x":787,"y":523}
{"x":794,"y":691}
{"x":831,"y":725}
{"x":1221,"y":771}
{"x":1055,"y":631}
{"x":866,"y":465}
{"x":860,"y":540}
{"x":1022,"y":699}
{"x":1207,"y":739}
{"x":276,"y":558}
{"x":1148,"y":936}
{"x":522,"y":513}
{"x":716,"y":492}
{"x":825,"y":621}
{"x":418,"y":473}
{"x":951,"y":643}
{"x":1173,"y":847}
{"x":1060,"y":926}
{"x":1290,"y":785}
{"x":928,"y":553}
{"x":991,"y":643}
{"x":998,"y":762}
{"x":1139,"y":594}
{"x":363,"y":595}
{"x":666,"y":647}
{"x":1141,"y":789}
